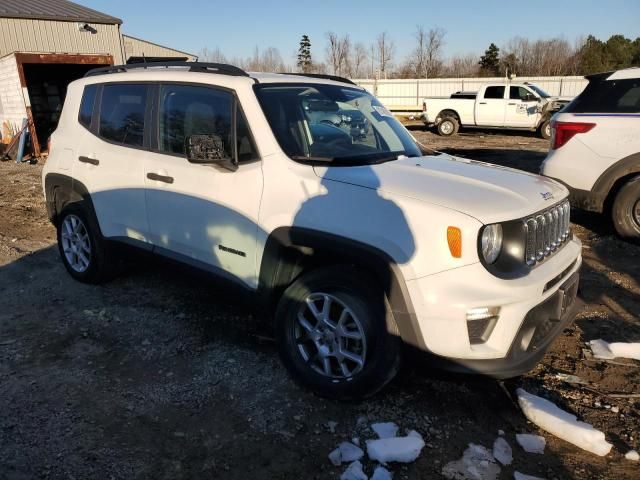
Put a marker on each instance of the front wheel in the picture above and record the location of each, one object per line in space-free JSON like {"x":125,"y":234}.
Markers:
{"x":331,"y":327}
{"x":448,"y":126}
{"x":625,"y":211}
{"x":545,"y":129}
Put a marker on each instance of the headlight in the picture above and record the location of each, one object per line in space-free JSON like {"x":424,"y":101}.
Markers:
{"x":491,"y":242}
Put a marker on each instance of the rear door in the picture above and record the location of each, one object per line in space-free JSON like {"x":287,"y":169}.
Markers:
{"x":110,"y":160}
{"x":490,"y":106}
{"x":203,"y":214}
{"x":522,"y":108}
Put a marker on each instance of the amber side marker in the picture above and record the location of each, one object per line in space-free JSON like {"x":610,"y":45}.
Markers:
{"x":454,"y":239}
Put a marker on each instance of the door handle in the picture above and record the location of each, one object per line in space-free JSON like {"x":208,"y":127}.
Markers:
{"x":483,"y":103}
{"x":160,"y":178}
{"x":92,"y":161}
{"x":512,"y":104}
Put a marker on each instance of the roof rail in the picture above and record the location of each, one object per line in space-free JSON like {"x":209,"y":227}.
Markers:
{"x":335,"y":78}
{"x":219,"y":68}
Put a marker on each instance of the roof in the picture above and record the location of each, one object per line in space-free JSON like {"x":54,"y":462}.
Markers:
{"x":156,"y":44}
{"x":60,"y":10}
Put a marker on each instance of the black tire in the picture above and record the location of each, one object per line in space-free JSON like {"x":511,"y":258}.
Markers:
{"x":100,"y":268}
{"x":368,"y":304}
{"x":448,"y":126}
{"x":625,"y":212}
{"x":545,"y":129}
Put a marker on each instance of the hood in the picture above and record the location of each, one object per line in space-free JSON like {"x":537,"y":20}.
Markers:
{"x":489,"y":193}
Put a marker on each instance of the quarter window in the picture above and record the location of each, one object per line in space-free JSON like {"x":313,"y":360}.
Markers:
{"x":86,"y":106}
{"x":122,"y":112}
{"x":494,"y":92}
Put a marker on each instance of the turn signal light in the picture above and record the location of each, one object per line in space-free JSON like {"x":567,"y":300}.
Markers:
{"x":454,"y":239}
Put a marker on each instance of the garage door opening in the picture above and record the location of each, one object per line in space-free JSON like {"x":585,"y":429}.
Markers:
{"x":46,"y":78}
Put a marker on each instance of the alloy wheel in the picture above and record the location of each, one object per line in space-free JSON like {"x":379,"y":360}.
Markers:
{"x":75,"y":243}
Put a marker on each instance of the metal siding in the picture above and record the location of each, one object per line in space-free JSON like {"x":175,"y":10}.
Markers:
{"x":26,"y":35}
{"x":135,"y":47}
{"x":13,"y":109}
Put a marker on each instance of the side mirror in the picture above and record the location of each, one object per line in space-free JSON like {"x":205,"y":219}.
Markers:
{"x":208,"y":149}
{"x":530,"y":98}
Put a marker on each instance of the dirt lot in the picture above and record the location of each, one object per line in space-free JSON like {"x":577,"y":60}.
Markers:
{"x":163,"y":374}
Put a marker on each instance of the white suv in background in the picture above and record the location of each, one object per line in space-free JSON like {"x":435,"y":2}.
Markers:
{"x":595,"y":149}
{"x":349,"y":236}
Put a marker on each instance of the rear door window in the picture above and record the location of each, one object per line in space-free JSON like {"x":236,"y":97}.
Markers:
{"x":494,"y":92}
{"x":122,"y":113}
{"x":608,"y":96}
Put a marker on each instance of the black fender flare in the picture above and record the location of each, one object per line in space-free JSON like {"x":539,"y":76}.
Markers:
{"x":607,"y":182}
{"x":289,"y":250}
{"x":61,"y":190}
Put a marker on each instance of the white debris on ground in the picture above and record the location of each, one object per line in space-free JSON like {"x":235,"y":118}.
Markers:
{"x":632,"y":455}
{"x":522,"y":476}
{"x":354,"y":472}
{"x":331,"y":425}
{"x":381,"y":473}
{"x":564,"y":425}
{"x":346,"y":452}
{"x":609,"y":351}
{"x":396,"y":449}
{"x":477,"y":463}
{"x":385,"y":430}
{"x":502,"y":451}
{"x":531,"y":443}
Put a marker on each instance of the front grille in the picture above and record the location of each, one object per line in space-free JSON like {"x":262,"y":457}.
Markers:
{"x":546,"y":232}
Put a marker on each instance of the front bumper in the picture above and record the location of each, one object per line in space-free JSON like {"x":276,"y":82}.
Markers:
{"x":540,"y":327}
{"x":442,"y":302}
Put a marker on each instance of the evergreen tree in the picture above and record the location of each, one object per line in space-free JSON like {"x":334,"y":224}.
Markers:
{"x":304,"y":54}
{"x":490,"y":61}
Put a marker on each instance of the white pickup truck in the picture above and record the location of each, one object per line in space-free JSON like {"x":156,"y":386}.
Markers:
{"x":504,"y":105}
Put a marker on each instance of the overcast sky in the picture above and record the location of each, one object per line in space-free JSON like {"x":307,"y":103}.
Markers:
{"x":236,"y":27}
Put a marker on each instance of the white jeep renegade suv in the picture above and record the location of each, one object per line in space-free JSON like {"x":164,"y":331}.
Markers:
{"x":306,"y":191}
{"x":595,"y":149}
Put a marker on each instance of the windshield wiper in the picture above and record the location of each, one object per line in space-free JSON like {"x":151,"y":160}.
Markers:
{"x":352,"y":160}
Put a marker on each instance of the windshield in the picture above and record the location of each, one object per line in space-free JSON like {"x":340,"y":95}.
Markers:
{"x":330,"y":123}
{"x":538,"y":90}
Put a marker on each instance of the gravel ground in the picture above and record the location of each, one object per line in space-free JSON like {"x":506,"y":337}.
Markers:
{"x":164,"y":374}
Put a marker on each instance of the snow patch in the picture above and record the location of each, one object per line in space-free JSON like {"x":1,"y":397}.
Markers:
{"x":396,"y":449}
{"x":385,"y":430}
{"x":346,"y":452}
{"x":609,"y":351}
{"x":522,"y":476}
{"x":476,"y":463}
{"x":381,"y":473}
{"x":632,"y":455}
{"x":531,"y":443}
{"x":354,"y":472}
{"x":502,"y":451}
{"x":562,"y":424}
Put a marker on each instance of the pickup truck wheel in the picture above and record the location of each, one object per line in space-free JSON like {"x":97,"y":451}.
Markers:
{"x":331,"y":329}
{"x":545,"y":129}
{"x":625,"y":211}
{"x":81,"y":246}
{"x":448,"y":126}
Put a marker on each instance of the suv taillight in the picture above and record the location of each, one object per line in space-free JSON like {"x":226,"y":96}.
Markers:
{"x":564,"y":131}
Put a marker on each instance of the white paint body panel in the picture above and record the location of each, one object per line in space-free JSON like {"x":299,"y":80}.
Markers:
{"x":402,"y":208}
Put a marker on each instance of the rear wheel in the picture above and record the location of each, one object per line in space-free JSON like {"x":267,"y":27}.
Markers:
{"x":83,"y":250}
{"x":625,"y":211}
{"x":448,"y":126}
{"x":332,"y":333}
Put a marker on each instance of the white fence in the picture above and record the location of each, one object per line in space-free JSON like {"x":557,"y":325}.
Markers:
{"x":410,"y":92}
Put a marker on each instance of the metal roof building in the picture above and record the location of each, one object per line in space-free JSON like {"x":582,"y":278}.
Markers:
{"x":44,"y":45}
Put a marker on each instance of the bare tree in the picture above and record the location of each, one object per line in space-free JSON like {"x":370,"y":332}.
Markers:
{"x":462,"y":66}
{"x":215,"y":55}
{"x":426,"y":56}
{"x":385,"y":50}
{"x":358,"y":61}
{"x":338,"y":52}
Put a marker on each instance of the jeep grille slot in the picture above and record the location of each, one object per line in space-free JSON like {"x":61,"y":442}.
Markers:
{"x":546,"y":232}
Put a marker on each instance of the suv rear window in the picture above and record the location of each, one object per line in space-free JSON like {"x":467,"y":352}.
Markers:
{"x":122,"y":111}
{"x":86,"y":106}
{"x":608,"y":96}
